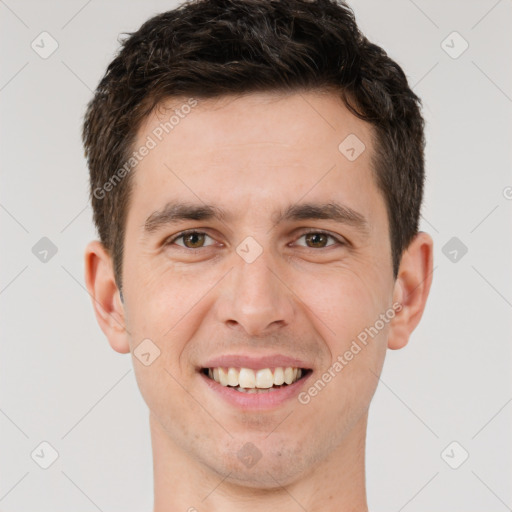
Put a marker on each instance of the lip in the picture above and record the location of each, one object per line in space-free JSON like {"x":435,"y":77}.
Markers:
{"x":255,"y":362}
{"x":256,"y":401}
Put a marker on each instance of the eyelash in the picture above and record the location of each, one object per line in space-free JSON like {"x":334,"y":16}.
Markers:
{"x":182,"y":234}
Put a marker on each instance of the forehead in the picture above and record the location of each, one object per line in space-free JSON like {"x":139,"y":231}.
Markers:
{"x":254,"y":151}
{"x":278,"y":121}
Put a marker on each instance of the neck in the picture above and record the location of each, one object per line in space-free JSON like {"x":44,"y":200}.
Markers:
{"x":334,"y":484}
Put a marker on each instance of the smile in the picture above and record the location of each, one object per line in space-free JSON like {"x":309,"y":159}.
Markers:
{"x":247,"y":380}
{"x":255,"y":382}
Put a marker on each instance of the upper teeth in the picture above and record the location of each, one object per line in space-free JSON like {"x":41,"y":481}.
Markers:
{"x":248,"y":378}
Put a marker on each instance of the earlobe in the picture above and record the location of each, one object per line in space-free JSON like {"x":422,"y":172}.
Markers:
{"x":412,"y":287}
{"x":108,"y":308}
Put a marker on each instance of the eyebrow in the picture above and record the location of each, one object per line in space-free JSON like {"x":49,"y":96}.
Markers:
{"x":175,"y":212}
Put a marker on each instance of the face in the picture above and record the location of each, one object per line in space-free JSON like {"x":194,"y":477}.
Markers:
{"x":259,"y":282}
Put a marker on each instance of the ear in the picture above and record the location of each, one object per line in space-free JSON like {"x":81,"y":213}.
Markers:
{"x":411,"y":290}
{"x":109,"y":310}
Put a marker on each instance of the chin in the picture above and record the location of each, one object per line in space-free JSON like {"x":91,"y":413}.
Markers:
{"x":270,"y":467}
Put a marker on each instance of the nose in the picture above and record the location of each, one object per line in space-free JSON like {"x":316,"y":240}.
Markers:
{"x":256,"y":297}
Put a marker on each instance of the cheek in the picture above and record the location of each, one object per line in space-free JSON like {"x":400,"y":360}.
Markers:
{"x":346,"y":309}
{"x":342,"y":303}
{"x":167,"y":400}
{"x":157,"y":300}
{"x":346,"y":386}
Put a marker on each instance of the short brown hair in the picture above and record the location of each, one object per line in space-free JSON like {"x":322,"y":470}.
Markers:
{"x":208,"y":49}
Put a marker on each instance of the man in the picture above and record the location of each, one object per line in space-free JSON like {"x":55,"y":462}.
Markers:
{"x":256,"y":177}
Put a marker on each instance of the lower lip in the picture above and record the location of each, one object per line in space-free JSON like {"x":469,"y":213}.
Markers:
{"x":256,"y":401}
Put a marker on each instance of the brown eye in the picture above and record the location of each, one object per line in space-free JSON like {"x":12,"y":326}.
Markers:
{"x":317,"y":239}
{"x":194,"y":239}
{"x":191,"y":240}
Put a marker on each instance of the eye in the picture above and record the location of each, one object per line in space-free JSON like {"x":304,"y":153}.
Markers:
{"x":319,"y":239}
{"x":191,"y":239}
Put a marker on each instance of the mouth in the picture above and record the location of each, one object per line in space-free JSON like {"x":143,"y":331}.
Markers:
{"x":256,"y":381}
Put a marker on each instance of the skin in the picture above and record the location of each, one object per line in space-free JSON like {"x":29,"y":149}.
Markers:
{"x":253,"y":155}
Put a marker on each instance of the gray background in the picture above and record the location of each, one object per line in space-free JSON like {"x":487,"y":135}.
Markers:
{"x":61,"y":382}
